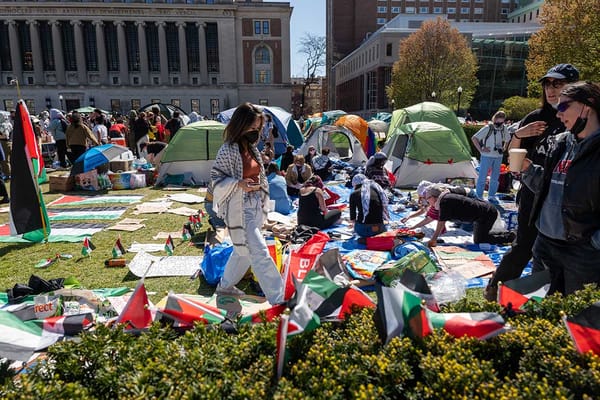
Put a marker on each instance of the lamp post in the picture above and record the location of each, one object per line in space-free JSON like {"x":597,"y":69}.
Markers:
{"x":393,"y":104}
{"x":459,"y":91}
{"x":60,"y":99}
{"x":302,"y":110}
{"x":433,"y":95}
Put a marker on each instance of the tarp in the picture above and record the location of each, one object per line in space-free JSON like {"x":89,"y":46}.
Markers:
{"x":426,"y":142}
{"x":341,"y":142}
{"x":192,"y":151}
{"x":289,"y":131}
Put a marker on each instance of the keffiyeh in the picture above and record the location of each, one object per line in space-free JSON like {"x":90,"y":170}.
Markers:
{"x":365,"y":195}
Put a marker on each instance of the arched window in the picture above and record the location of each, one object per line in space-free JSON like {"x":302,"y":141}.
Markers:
{"x":262,"y":65}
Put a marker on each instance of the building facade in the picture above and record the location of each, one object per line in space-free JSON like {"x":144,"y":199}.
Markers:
{"x":310,"y":99}
{"x":201,"y":55}
{"x":501,"y":50}
{"x":351,"y":22}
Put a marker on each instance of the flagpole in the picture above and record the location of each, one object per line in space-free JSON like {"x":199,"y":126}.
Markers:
{"x":283,"y":330}
{"x":16,"y":82}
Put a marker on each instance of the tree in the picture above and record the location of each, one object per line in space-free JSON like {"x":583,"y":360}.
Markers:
{"x":313,"y":47}
{"x":570,"y":34}
{"x":517,"y":107}
{"x":435,"y":59}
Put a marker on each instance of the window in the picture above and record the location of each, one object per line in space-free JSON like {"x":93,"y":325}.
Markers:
{"x":382,"y":10}
{"x":112,"y":47}
{"x":212,"y":47}
{"x":388,"y":49}
{"x":409,"y":10}
{"x":214,"y":107}
{"x":154,"y":101}
{"x":380,"y":21}
{"x":25,"y":46}
{"x":195,"y":80}
{"x":263,"y":102}
{"x":395,"y":10}
{"x":9,"y":105}
{"x":5,"y":61}
{"x":451,"y":10}
{"x":136,"y":104}
{"x":30,"y":80}
{"x":132,"y":46}
{"x":175,"y":80}
{"x":30,"y":103}
{"x":176,"y":102}
{"x":172,"y":39}
{"x":68,"y":43}
{"x":423,"y":10}
{"x":262,"y":76}
{"x":115,"y":80}
{"x":262,"y":27}
{"x":465,"y":10}
{"x":504,"y":11}
{"x":262,"y":55}
{"x":115,"y":105}
{"x":193,"y":47}
{"x":478,"y":11}
{"x":46,"y":44}
{"x":465,"y":1}
{"x":90,"y":47}
{"x":155,"y":80}
{"x":152,"y":48}
{"x":195,"y":105}
{"x":136,"y":80}
{"x":437,"y":10}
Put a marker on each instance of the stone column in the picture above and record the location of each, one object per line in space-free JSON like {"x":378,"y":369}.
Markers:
{"x":36,"y":50}
{"x":123,"y":63}
{"x":183,"y":61}
{"x":101,"y":51}
{"x":143,"y":52}
{"x":162,"y":48}
{"x":59,"y":61}
{"x":80,"y":53}
{"x":202,"y":49}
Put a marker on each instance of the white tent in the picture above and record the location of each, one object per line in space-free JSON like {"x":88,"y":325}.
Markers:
{"x":341,"y":142}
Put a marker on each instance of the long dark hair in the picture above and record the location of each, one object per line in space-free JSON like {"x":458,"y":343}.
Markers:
{"x":242,"y":119}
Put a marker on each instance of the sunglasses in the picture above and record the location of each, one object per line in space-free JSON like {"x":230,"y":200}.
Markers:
{"x":562,"y":107}
{"x":556,"y":84}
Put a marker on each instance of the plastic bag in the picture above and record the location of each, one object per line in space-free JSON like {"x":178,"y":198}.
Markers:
{"x":448,"y":287}
{"x":214,"y":261}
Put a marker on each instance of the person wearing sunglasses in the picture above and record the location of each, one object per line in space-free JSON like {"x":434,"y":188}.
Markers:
{"x":567,"y":187}
{"x":535,"y":133}
{"x":240,"y":195}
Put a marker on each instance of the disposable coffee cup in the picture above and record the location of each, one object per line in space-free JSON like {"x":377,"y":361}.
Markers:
{"x":515,"y":159}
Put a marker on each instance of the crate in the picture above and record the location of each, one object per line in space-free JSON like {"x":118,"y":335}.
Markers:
{"x":61,"y":183}
{"x":120,"y":166}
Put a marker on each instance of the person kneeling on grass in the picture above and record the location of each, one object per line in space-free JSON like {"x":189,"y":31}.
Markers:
{"x":368,"y":207}
{"x":458,"y":207}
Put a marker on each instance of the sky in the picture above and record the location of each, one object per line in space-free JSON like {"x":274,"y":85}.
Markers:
{"x":308,"y":16}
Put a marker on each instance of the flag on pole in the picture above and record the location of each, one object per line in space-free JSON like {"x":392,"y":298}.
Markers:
{"x":169,"y":246}
{"x":118,"y":249}
{"x":185,"y":233}
{"x":519,"y":291}
{"x":267,"y":315}
{"x":28,"y":214}
{"x":87,"y":248}
{"x":136,"y":314}
{"x":584,"y":329}
{"x":480,"y":325}
{"x":183,"y":312}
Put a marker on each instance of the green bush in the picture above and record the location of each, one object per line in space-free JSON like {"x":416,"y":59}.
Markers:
{"x":470,"y":130}
{"x":535,"y":359}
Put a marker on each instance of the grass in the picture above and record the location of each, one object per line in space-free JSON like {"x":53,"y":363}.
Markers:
{"x":17,"y":260}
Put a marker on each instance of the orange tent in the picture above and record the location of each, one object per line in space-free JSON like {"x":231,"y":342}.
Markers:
{"x":360,"y":129}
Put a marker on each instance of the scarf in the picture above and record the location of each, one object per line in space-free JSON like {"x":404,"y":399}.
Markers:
{"x":365,"y":195}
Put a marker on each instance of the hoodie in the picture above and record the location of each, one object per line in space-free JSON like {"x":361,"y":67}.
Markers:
{"x":56,"y":126}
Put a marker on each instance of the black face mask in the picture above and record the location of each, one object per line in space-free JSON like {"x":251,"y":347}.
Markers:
{"x":579,"y":125}
{"x":498,"y":124}
{"x":252,"y":136}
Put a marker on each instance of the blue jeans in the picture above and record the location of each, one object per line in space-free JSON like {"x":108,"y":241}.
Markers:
{"x":368,"y":230}
{"x":484,"y":164}
{"x":256,"y":254}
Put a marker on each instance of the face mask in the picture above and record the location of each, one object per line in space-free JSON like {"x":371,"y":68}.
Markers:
{"x":579,"y":125}
{"x":498,"y":124}
{"x":252,"y":136}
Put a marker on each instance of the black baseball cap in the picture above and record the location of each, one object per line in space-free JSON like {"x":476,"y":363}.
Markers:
{"x":562,"y":71}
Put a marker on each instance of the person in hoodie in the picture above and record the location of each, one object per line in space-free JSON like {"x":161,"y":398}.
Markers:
{"x":58,"y":128}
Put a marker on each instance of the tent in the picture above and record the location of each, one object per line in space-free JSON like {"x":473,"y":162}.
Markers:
{"x":191,"y":153}
{"x":340,"y":140}
{"x":289,"y":131}
{"x":167,"y":111}
{"x":361,"y":130}
{"x":428,"y":151}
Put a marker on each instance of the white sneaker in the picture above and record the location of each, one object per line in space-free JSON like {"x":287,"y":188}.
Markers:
{"x":230,"y":291}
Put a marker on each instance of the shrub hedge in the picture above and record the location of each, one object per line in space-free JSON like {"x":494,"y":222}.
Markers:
{"x":346,"y":360}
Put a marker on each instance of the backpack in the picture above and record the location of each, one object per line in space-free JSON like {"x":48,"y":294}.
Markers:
{"x":63,"y":125}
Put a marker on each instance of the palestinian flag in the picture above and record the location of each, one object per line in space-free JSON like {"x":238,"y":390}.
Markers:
{"x":68,"y":325}
{"x":169,"y":246}
{"x":584,"y":329}
{"x":87,"y":248}
{"x":19,"y":340}
{"x":320,"y":299}
{"x":400,"y":312}
{"x":481,"y":325}
{"x":136,"y":314}
{"x":118,"y":249}
{"x":185,"y":233}
{"x":186,"y":311}
{"x":27,"y":209}
{"x":267,"y":315}
{"x":515,"y":293}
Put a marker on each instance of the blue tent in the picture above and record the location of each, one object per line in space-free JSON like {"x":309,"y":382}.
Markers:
{"x":288,"y":129}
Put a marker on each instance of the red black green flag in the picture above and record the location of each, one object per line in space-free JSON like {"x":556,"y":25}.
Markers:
{"x":515,"y":293}
{"x":584,"y":329}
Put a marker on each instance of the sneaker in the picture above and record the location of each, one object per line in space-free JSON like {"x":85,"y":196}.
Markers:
{"x":490,"y":293}
{"x":230,"y":291}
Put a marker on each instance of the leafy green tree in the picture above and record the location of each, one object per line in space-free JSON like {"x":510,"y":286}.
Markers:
{"x":517,"y":107}
{"x":570,"y":34}
{"x":435,"y":59}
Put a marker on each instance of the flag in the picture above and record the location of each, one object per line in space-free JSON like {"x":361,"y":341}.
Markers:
{"x":400,"y":311}
{"x":301,"y":260}
{"x":267,"y":315}
{"x":584,"y":329}
{"x":515,"y":293}
{"x":118,"y":249}
{"x":169,"y":246}
{"x":282,"y":332}
{"x":27,"y":209}
{"x":68,"y":325}
{"x":480,"y":325}
{"x":185,"y":233}
{"x":87,"y":248}
{"x":185,"y":311}
{"x":19,"y":339}
{"x":320,"y":299}
{"x":136,"y":314}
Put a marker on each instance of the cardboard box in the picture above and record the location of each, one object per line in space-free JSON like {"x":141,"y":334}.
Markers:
{"x":61,"y":183}
{"x":120,"y":166}
{"x":120,"y":180}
